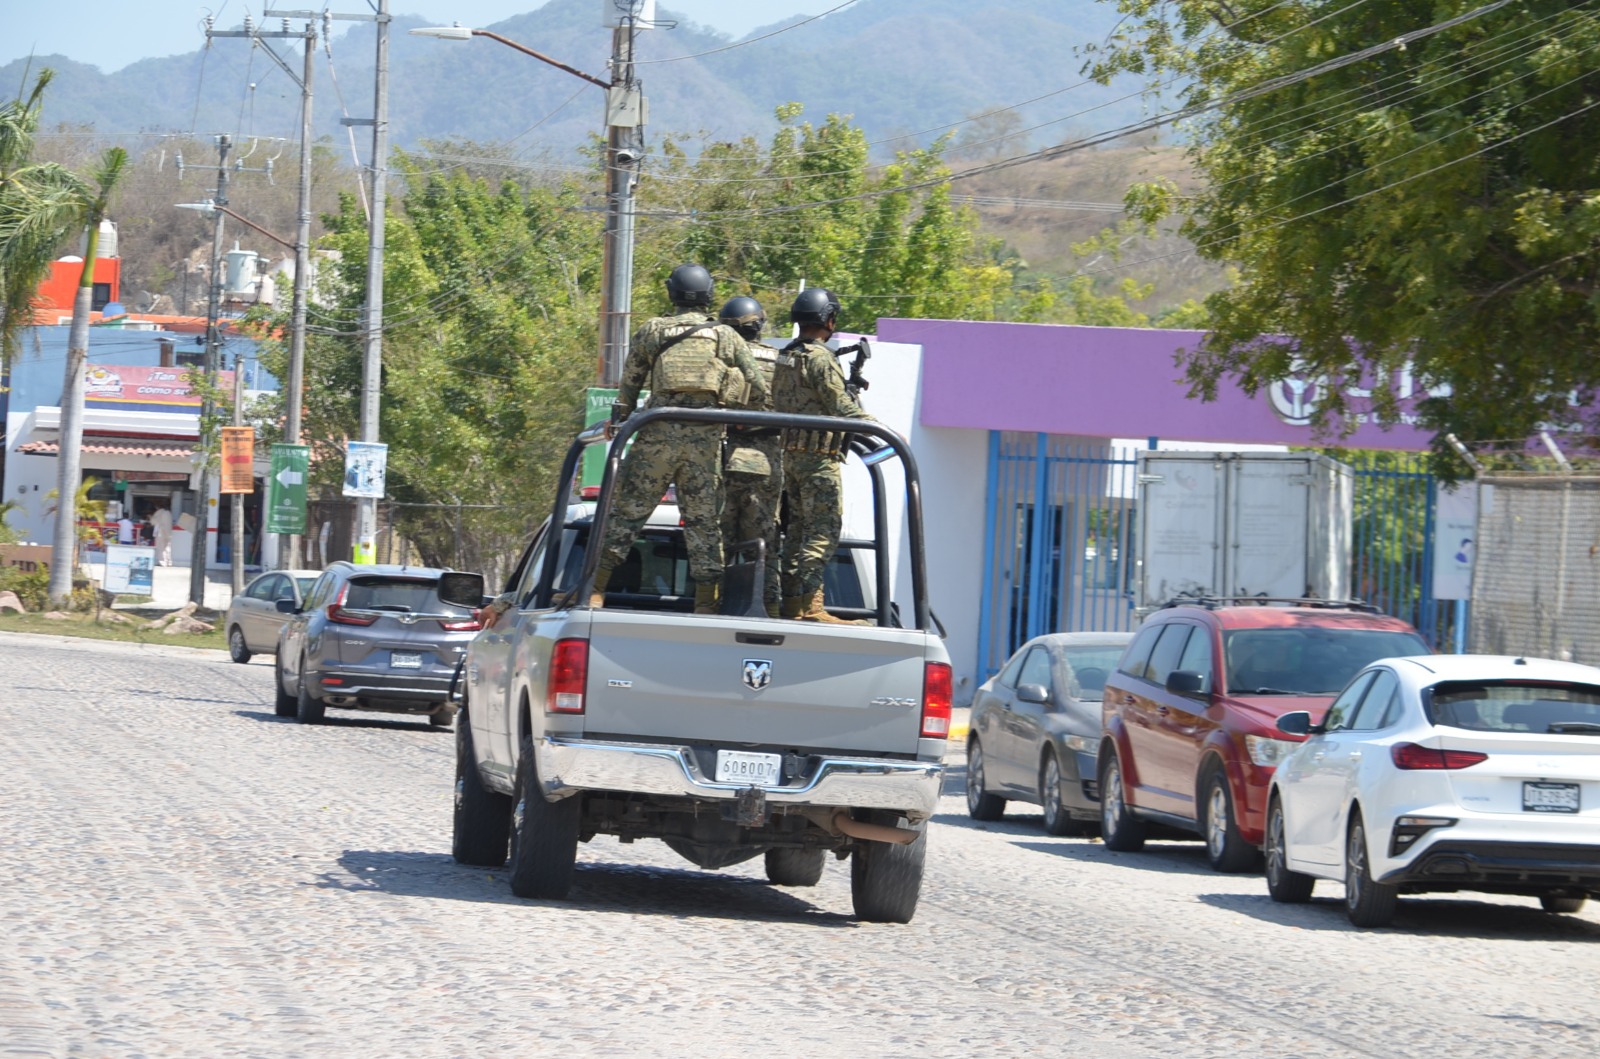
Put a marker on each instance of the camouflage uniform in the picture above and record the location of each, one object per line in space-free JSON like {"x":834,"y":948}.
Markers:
{"x":809,"y":381}
{"x":753,"y":480}
{"x":719,"y":369}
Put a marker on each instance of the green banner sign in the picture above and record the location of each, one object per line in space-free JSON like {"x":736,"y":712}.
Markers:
{"x":286,"y":488}
{"x":597,"y":408}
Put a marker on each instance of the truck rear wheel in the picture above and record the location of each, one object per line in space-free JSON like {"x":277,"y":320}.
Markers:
{"x":544,"y":835}
{"x":886,"y":877}
{"x":795,"y":867}
{"x":482,"y":817}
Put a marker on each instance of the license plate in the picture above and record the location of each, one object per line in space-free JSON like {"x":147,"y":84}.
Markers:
{"x":753,"y":770}
{"x":1550,"y":797}
{"x":405,"y":660}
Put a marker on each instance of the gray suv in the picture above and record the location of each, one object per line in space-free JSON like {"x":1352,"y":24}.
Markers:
{"x":371,"y":638}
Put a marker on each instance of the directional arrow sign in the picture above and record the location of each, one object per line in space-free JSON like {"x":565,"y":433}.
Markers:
{"x":286,"y":489}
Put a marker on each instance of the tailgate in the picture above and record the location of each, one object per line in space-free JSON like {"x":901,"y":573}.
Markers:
{"x":697,"y":678}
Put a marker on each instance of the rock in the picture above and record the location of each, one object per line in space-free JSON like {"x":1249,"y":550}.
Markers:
{"x":56,"y":615}
{"x":187,"y":625}
{"x":9,"y":601}
{"x":113,"y":617}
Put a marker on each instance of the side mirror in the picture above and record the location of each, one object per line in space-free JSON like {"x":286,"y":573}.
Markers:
{"x":286,"y":606}
{"x":1186,"y":682}
{"x":461,"y":589}
{"x":1036,"y":693}
{"x":1296,"y":723}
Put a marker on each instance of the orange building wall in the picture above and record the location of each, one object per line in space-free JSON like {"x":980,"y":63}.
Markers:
{"x":61,"y":286}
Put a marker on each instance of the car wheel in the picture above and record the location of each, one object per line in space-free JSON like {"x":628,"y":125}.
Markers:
{"x":1226,"y":849}
{"x":795,"y":867}
{"x":1286,"y":886}
{"x":238,"y":650}
{"x":1566,"y":905}
{"x":1121,"y":831}
{"x":283,"y":703}
{"x":544,"y":835}
{"x":307,"y":709}
{"x":981,"y":805}
{"x":1057,"y":818}
{"x":886,"y":877}
{"x":482,"y":825}
{"x":442,"y":717}
{"x":1369,"y":903}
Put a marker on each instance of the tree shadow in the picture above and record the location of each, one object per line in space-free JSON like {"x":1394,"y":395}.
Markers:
{"x":1445,"y":917}
{"x":629,"y":889}
{"x":390,"y":722}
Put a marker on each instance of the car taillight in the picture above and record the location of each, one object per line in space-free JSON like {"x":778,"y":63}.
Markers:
{"x":1414,"y":756}
{"x":337,"y":613}
{"x":472,"y":624}
{"x":569,"y":673}
{"x":936,"y":701}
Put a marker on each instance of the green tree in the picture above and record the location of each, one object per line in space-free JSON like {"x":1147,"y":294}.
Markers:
{"x":1434,"y":203}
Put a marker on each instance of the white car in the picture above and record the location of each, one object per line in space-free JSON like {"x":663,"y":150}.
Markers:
{"x":1442,"y":773}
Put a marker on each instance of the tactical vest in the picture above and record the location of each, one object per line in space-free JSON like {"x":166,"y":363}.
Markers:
{"x":790,"y":393}
{"x":690,"y":365}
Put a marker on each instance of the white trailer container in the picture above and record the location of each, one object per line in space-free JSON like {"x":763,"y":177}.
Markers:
{"x":1273,"y":524}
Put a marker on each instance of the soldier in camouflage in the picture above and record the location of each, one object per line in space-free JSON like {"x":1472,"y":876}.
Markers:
{"x":809,"y":381}
{"x":753,"y":473}
{"x":687,"y":360}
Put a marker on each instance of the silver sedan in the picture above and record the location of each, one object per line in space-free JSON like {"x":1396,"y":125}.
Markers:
{"x":253,"y":618}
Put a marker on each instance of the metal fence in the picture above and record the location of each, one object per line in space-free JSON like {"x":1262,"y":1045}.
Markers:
{"x":1061,"y":541}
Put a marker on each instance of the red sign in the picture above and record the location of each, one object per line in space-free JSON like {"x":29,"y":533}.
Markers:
{"x":146,"y":389}
{"x":238,"y":459}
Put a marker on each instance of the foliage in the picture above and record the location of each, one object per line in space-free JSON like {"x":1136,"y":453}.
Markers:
{"x":1436,"y":204}
{"x":31,"y":586}
{"x":89,"y":513}
{"x":489,"y":340}
{"x":8,"y":533}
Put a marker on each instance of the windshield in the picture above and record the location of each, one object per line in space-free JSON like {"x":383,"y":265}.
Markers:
{"x":1516,"y":706}
{"x":1307,"y":660}
{"x":1087,"y":668}
{"x":305,"y":583}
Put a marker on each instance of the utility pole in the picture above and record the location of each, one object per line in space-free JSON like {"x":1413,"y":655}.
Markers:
{"x":202,"y":512}
{"x":625,"y":118}
{"x":372,"y":330}
{"x":290,"y":557}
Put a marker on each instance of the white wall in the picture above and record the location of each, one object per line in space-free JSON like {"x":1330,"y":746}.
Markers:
{"x":952,"y":464}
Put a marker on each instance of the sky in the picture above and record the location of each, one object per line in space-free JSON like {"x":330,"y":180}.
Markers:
{"x":111,"y":34}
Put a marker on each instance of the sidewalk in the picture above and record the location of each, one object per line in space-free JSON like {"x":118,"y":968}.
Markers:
{"x":171,"y":589}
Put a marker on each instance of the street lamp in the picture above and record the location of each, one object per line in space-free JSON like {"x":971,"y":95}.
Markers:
{"x":625,"y":116}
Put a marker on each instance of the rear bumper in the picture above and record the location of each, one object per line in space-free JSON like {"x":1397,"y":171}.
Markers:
{"x":1513,"y":865}
{"x":672,"y":771}
{"x":418,"y":687}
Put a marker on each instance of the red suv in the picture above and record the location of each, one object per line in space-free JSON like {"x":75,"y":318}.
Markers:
{"x":1189,"y":736}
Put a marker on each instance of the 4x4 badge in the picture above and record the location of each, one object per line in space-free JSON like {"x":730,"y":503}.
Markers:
{"x":757,"y":673}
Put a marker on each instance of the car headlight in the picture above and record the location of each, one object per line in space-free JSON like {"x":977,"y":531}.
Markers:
{"x":1081,"y":743}
{"x":1267,"y":753}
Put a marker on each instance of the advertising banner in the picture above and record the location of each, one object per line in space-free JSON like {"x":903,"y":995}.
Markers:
{"x":286,"y":489}
{"x":365,"y":467}
{"x":146,"y":389}
{"x":130,"y":569}
{"x":238,"y":459}
{"x":1455,"y":525}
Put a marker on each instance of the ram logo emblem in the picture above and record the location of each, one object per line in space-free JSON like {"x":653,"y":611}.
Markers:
{"x":757,"y":673}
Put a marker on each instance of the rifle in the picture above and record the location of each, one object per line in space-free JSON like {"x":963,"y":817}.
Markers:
{"x":856,"y":381}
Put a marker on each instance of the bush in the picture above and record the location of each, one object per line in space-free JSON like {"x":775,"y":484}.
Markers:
{"x":32,"y":588}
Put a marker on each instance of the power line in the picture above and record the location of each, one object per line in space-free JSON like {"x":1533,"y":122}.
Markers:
{"x":745,"y":43}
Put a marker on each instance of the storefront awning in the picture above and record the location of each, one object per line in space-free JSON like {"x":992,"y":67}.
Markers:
{"x":114,"y":447}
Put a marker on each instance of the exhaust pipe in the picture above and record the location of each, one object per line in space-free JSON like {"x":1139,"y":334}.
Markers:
{"x":848,"y":825}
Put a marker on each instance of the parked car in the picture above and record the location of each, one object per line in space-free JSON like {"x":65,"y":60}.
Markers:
{"x":1190,"y":716}
{"x":1443,"y":773}
{"x":1034,"y":730}
{"x":371,"y":637}
{"x":254,"y":620}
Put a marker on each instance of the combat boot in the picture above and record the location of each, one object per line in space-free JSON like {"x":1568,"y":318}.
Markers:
{"x":602,"y":578}
{"x":708,"y":597}
{"x":792,"y":606}
{"x":774,"y":608}
{"x":813,"y":610}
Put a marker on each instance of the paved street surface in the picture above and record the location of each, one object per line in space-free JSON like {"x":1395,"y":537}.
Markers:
{"x":184,"y":874}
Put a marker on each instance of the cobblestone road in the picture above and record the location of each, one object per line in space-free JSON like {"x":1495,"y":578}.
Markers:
{"x":185,"y":874}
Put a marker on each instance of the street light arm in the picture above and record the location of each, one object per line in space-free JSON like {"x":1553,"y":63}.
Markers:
{"x":541,"y":57}
{"x":208,"y":207}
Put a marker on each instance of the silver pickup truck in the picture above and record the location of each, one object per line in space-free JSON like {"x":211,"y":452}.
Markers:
{"x":727,"y":736}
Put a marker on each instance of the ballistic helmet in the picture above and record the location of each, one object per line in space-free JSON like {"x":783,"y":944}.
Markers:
{"x":689,"y":286}
{"x":745,"y":315}
{"x":814,"y":305}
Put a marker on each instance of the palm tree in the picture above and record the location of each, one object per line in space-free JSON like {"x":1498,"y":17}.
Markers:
{"x":92,"y":209}
{"x":41,"y":203}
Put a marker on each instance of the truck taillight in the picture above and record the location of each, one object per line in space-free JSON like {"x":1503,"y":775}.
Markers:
{"x":936,"y":701}
{"x":1413,"y":756}
{"x":337,"y":613}
{"x":569,"y":672}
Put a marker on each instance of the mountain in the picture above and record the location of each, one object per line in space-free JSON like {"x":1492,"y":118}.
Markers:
{"x":899,"y":66}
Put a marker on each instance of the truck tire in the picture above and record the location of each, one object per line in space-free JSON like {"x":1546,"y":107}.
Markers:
{"x":283,"y":703}
{"x":886,"y":877}
{"x":442,"y":717}
{"x":482,"y":817}
{"x":544,"y":835}
{"x":1120,"y":830}
{"x":307,"y":709}
{"x":1226,"y":849}
{"x":981,"y":805}
{"x":1562,"y":905}
{"x":238,"y":650}
{"x":795,"y":867}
